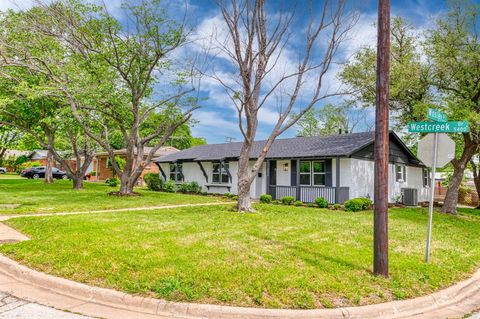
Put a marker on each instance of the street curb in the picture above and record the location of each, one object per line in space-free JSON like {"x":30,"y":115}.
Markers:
{"x":450,"y":302}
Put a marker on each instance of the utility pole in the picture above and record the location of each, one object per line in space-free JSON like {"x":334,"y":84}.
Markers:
{"x":380,"y":242}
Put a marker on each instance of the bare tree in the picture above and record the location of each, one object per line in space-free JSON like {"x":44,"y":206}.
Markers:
{"x":255,"y":45}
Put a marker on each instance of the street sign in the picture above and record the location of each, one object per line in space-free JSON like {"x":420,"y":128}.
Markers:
{"x":445,"y":150}
{"x":436,"y":115}
{"x":438,"y":127}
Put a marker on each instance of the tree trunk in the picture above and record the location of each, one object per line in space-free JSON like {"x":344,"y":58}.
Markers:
{"x":244,"y":201}
{"x":48,"y":168}
{"x":126,"y":185}
{"x":459,"y":165}
{"x":476,"y":180}
{"x":77,"y":181}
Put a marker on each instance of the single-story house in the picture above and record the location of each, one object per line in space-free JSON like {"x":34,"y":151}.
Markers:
{"x":101,"y":163}
{"x":336,"y":167}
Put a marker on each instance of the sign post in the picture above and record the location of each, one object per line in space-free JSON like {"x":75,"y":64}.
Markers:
{"x":442,"y":153}
{"x":432,"y":197}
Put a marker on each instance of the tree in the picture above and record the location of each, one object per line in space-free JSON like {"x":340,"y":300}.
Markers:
{"x":453,"y":49}
{"x":255,"y":42}
{"x":409,"y":81}
{"x":28,"y":105}
{"x":114,"y":75}
{"x":331,"y":119}
{"x":475,"y":164}
{"x":7,"y":139}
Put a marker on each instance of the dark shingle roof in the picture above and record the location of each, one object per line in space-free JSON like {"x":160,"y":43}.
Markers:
{"x":318,"y":146}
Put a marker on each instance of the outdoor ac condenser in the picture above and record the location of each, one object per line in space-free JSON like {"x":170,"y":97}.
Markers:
{"x":410,"y":196}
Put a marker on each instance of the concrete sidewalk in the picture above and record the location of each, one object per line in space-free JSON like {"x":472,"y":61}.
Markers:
{"x":13,"y":307}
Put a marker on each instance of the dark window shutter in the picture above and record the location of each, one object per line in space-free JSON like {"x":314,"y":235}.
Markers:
{"x":293,"y":172}
{"x":328,"y":173}
{"x":273,"y":173}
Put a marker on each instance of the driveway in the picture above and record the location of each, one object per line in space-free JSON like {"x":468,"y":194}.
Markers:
{"x":15,"y":308}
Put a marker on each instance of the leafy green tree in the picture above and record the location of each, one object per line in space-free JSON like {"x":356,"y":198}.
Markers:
{"x":409,"y":76}
{"x":453,"y":51}
{"x":332,"y":119}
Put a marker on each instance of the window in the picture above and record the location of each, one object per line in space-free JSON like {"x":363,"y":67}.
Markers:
{"x":400,"y":173}
{"x":319,"y":173}
{"x":312,"y":173}
{"x":305,"y":172}
{"x":426,"y":177}
{"x":219,"y":173}
{"x":176,"y":172}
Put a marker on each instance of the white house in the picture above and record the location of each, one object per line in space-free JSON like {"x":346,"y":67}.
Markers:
{"x":337,"y":167}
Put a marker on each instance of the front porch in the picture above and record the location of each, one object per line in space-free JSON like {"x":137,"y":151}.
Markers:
{"x":306,"y":180}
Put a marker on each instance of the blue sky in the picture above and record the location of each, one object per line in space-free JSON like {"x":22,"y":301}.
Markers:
{"x":217,"y":117}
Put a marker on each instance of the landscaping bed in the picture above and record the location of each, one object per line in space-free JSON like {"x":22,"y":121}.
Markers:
{"x":279,"y":257}
{"x":23,"y":196}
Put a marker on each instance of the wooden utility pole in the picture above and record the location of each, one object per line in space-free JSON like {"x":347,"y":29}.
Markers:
{"x":380,"y":259}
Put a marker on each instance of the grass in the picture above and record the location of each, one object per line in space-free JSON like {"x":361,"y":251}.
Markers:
{"x":280,"y":257}
{"x":23,"y":196}
{"x":10,"y":176}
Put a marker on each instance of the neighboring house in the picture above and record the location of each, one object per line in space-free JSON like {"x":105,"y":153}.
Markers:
{"x":101,"y":163}
{"x":337,"y":167}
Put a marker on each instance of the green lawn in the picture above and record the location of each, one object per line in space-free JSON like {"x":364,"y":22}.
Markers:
{"x":10,"y":176}
{"x":19,"y":196}
{"x":281,"y":257}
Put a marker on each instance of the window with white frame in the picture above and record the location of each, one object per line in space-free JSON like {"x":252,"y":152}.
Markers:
{"x":318,"y":173}
{"x":426,"y":177}
{"x":312,"y":173}
{"x":400,"y":173}
{"x":176,"y":172}
{"x":219,"y":173}
{"x":305,"y":172}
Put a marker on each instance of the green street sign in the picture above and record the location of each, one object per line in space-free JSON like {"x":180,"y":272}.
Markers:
{"x":438,"y":127}
{"x":436,"y":115}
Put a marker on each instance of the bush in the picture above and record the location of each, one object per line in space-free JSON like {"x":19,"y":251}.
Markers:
{"x":321,"y":202}
{"x":195,"y":188}
{"x":357,"y":204}
{"x":336,"y":207}
{"x":153,"y":181}
{"x":93,"y":173}
{"x":287,"y":200}
{"x":183,"y":188}
{"x":112,"y":181}
{"x":227,"y":195}
{"x":366,"y":203}
{"x":265,"y":198}
{"x":298,"y":203}
{"x":26,"y":165}
{"x":276,"y":202}
{"x":169,"y":186}
{"x":311,"y":205}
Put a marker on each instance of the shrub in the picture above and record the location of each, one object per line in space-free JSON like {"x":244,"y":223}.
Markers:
{"x":169,"y":186}
{"x":153,"y":181}
{"x":276,"y":202}
{"x":112,"y":181}
{"x":195,"y":188}
{"x":234,"y":197}
{"x":321,"y":202}
{"x":227,"y":195}
{"x":366,"y":203}
{"x":93,"y":173}
{"x":204,"y":193}
{"x":298,"y":203}
{"x":26,"y":165}
{"x":336,"y":207}
{"x":265,"y":198}
{"x":311,"y":205}
{"x":287,"y":200}
{"x":357,"y":204}
{"x":183,"y":188}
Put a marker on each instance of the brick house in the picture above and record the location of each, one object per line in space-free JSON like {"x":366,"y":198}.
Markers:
{"x":101,"y":163}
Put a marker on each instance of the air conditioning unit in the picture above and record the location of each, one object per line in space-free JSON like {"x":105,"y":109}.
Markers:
{"x":410,"y":196}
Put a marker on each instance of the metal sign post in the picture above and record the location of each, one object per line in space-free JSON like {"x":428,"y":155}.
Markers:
{"x":442,"y":153}
{"x":432,"y":197}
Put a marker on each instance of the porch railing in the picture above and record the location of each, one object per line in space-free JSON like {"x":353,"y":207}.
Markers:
{"x":308,"y":194}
